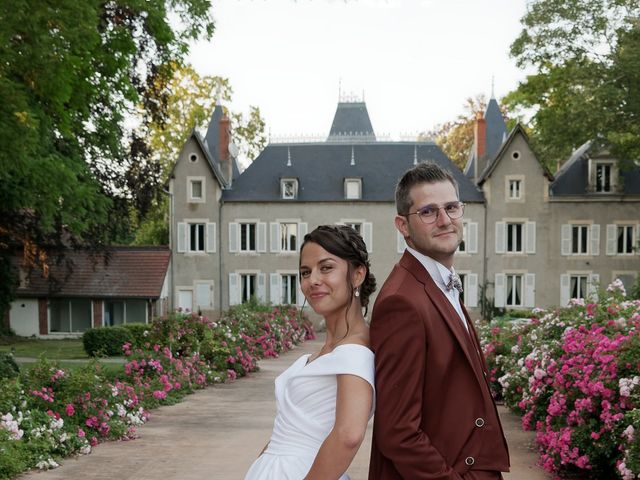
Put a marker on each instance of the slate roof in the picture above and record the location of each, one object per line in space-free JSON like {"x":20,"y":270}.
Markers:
{"x":210,"y":146}
{"x":499,"y":155}
{"x":573,"y":177}
{"x":496,"y":133}
{"x":351,"y":123}
{"x":123,"y":272}
{"x":322,"y":167}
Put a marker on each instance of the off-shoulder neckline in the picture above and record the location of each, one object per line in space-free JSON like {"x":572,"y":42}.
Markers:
{"x":307,"y":362}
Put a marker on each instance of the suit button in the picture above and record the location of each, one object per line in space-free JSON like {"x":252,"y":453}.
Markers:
{"x":479,"y":422}
{"x":469,"y":461}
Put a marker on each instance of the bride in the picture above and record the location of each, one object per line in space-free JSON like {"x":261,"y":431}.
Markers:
{"x":324,"y":400}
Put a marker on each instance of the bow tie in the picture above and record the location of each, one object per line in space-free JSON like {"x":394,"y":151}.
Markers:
{"x":454,"y":282}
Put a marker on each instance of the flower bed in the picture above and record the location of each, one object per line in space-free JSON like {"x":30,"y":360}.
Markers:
{"x":48,"y":413}
{"x":573,"y":375}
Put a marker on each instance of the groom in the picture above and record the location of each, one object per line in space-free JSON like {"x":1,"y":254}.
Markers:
{"x":435,"y":417}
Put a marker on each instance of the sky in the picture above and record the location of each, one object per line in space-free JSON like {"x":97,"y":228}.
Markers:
{"x":414,"y":61}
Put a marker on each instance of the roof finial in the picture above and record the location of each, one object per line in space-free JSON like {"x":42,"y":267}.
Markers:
{"x":493,"y":81}
{"x":415,"y":154}
{"x":340,"y":89}
{"x":353,"y":158}
{"x":288,"y":157}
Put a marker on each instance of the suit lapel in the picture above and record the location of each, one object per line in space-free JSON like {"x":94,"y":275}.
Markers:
{"x":447,"y":312}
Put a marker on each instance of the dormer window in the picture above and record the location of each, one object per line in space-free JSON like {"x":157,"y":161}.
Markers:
{"x":352,"y":188}
{"x":289,"y":188}
{"x":603,"y":177}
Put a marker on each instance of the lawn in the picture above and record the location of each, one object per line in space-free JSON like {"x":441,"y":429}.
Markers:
{"x":63,"y":349}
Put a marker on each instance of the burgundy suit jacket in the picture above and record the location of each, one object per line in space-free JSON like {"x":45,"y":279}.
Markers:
{"x":435,"y":417}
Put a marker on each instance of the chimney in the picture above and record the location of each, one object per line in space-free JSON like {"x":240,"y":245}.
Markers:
{"x":480,"y":135}
{"x":225,"y":160}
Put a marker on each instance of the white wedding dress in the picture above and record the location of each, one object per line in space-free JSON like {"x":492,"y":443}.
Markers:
{"x":306,"y":410}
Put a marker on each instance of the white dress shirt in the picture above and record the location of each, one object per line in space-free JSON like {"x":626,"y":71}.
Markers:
{"x":439,"y":273}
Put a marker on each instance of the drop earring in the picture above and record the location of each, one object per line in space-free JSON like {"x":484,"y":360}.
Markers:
{"x":357,"y":293}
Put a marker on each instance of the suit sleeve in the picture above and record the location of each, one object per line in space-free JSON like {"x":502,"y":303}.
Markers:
{"x":399,"y":341}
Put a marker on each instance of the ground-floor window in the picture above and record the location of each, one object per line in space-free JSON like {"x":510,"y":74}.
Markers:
{"x":119,"y":312}
{"x":514,"y":291}
{"x":67,"y":315}
{"x":289,"y":289}
{"x":248,"y":286}
{"x":578,"y":286}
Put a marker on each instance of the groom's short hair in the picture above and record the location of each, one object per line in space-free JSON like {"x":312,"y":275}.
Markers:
{"x":426,"y":172}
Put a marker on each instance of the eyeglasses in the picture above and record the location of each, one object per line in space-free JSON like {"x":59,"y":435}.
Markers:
{"x":429,"y":213}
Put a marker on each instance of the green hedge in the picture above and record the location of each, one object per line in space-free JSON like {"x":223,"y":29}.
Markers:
{"x":106,"y":341}
{"x":8,"y":366}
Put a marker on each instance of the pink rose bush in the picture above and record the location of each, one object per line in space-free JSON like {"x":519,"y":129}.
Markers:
{"x":573,"y":375}
{"x":48,"y":413}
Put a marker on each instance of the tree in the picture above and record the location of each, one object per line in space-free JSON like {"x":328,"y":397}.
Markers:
{"x":587,"y":85}
{"x":190,"y":102}
{"x":71,"y":74}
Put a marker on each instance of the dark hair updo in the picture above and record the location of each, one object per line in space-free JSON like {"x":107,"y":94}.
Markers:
{"x":344,"y":242}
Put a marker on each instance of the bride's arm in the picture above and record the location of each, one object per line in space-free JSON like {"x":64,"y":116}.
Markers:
{"x":353,"y":405}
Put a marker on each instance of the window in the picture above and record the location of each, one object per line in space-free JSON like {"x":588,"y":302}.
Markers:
{"x":603,"y":177}
{"x":196,"y":237}
{"x":352,"y":190}
{"x":465,"y":231}
{"x":288,"y":237}
{"x":247,"y":237}
{"x":195,"y":189}
{"x":514,"y":291}
{"x":289,"y":292}
{"x":625,"y":239}
{"x":289,"y":188}
{"x":69,"y":315}
{"x":248,"y":286}
{"x":579,"y":239}
{"x":514,"y":189}
{"x":463,"y":281}
{"x":514,"y":237}
{"x":118,"y":312}
{"x":578,"y":286}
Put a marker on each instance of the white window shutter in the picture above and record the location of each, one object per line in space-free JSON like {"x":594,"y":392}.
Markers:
{"x":262,"y":237}
{"x":234,"y":288}
{"x":262,"y":286}
{"x":592,"y":288}
{"x":595,"y":240}
{"x":565,"y":242}
{"x":367,"y":236}
{"x":302,"y":231}
{"x":234,"y":234}
{"x":472,"y":241}
{"x":275,"y":236}
{"x":565,"y":287}
{"x":531,"y":237}
{"x":471,"y":293}
{"x":211,"y":237}
{"x":612,"y":233}
{"x":499,"y":290}
{"x":501,"y":234}
{"x":400,"y":243}
{"x":275,"y":288}
{"x":530,"y":290}
{"x":204,"y":295}
{"x":182,"y":237}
